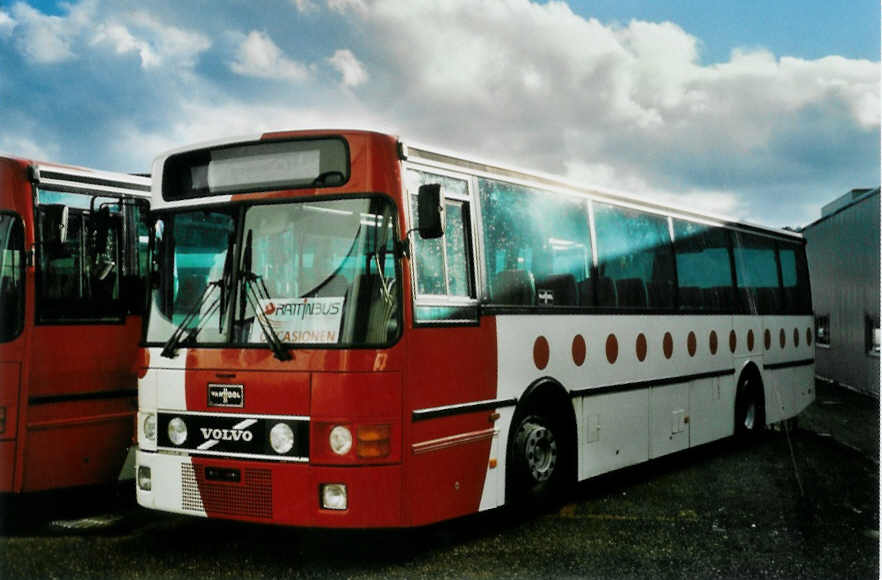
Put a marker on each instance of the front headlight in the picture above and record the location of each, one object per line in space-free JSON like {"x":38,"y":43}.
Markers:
{"x":150,"y":427}
{"x":340,"y":440}
{"x":177,"y":431}
{"x":281,"y":438}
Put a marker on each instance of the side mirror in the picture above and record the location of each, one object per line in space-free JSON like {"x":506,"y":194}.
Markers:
{"x":430,"y":211}
{"x":55,"y":224}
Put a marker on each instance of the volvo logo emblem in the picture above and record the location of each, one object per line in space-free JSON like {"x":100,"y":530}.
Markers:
{"x":238,"y":432}
{"x":226,"y":434}
{"x":226,"y":395}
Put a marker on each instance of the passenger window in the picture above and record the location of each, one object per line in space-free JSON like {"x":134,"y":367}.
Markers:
{"x":756,"y":271}
{"x":12,"y":294}
{"x":635,"y":260}
{"x":538,"y":246}
{"x":704,"y":270}
{"x":795,"y":281}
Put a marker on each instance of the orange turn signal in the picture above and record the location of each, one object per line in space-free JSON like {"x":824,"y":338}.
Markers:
{"x":372,"y":441}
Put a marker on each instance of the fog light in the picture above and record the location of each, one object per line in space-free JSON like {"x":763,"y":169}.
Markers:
{"x":334,"y":496}
{"x":340,"y":440}
{"x":177,"y":431}
{"x":281,"y":438}
{"x":150,"y":426}
{"x":145,"y":480}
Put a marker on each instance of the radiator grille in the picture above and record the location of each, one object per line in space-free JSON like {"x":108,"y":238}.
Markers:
{"x":252,"y":497}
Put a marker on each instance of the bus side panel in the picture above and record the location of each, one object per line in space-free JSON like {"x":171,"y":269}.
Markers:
{"x":445,"y":475}
{"x":9,"y":393}
{"x":81,"y":404}
{"x":75,"y":360}
{"x":10,"y":374}
{"x":616,"y":432}
{"x":448,"y":458}
{"x":76,"y":452}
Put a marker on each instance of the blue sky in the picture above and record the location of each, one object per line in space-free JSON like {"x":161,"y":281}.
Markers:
{"x":758,"y":110}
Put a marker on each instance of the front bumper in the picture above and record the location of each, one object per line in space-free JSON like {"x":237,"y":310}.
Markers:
{"x":270,"y":492}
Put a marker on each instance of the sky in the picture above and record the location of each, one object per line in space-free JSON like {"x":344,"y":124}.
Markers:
{"x":757,"y":110}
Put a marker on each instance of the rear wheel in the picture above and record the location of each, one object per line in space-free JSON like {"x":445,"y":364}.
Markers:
{"x":750,"y":413}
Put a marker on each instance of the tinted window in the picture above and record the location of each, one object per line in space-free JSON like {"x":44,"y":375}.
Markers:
{"x":704,"y":270}
{"x":537,"y":246}
{"x":635,"y":259}
{"x":12,"y":294}
{"x":756,"y":270}
{"x":795,"y":279}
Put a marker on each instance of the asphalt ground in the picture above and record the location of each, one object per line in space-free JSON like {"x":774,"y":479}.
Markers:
{"x":800,"y":504}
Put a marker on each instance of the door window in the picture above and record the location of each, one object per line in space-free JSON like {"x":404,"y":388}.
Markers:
{"x":12,"y":294}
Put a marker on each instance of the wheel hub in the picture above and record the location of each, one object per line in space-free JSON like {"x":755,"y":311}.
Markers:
{"x":750,"y":416}
{"x":540,"y":451}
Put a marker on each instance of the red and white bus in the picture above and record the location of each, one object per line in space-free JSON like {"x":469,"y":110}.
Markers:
{"x":349,"y":332}
{"x":73,"y":251}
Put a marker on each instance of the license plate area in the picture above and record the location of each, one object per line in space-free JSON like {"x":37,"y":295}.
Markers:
{"x":223,"y":474}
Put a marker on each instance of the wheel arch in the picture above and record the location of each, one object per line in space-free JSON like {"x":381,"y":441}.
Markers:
{"x":548,"y":396}
{"x":750,"y":379}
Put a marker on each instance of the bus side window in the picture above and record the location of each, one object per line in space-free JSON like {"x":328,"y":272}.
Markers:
{"x":794,"y":280}
{"x":756,"y":271}
{"x":704,"y":270}
{"x":537,"y":246}
{"x":12,"y":294}
{"x":634,"y":251}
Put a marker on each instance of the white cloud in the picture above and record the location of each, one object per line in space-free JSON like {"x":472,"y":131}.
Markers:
{"x":25,"y":147}
{"x":305,"y":6}
{"x":7,"y":24}
{"x":198,"y":121}
{"x":342,"y":6}
{"x":626,"y":105}
{"x":122,"y":41}
{"x":258,"y":56}
{"x":539,"y":86}
{"x":175,"y":46}
{"x":349,"y":67}
{"x":45,"y":39}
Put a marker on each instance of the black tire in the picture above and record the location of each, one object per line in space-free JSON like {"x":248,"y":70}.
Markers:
{"x":750,"y":408}
{"x":539,"y":473}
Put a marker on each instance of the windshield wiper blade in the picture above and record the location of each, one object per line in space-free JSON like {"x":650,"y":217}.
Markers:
{"x":255,"y":291}
{"x":170,"y":349}
{"x":253,"y":294}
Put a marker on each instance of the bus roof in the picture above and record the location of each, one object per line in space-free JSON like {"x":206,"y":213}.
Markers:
{"x":83,"y":180}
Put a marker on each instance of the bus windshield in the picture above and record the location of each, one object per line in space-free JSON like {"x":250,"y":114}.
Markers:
{"x":319,"y":273}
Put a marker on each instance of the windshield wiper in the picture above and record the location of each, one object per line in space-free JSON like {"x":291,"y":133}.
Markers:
{"x":170,"y":350}
{"x":254,"y":291}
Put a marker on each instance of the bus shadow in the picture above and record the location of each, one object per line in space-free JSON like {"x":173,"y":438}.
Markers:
{"x":80,"y":510}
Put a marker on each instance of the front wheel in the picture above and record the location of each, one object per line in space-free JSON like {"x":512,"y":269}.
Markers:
{"x":538,"y":461}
